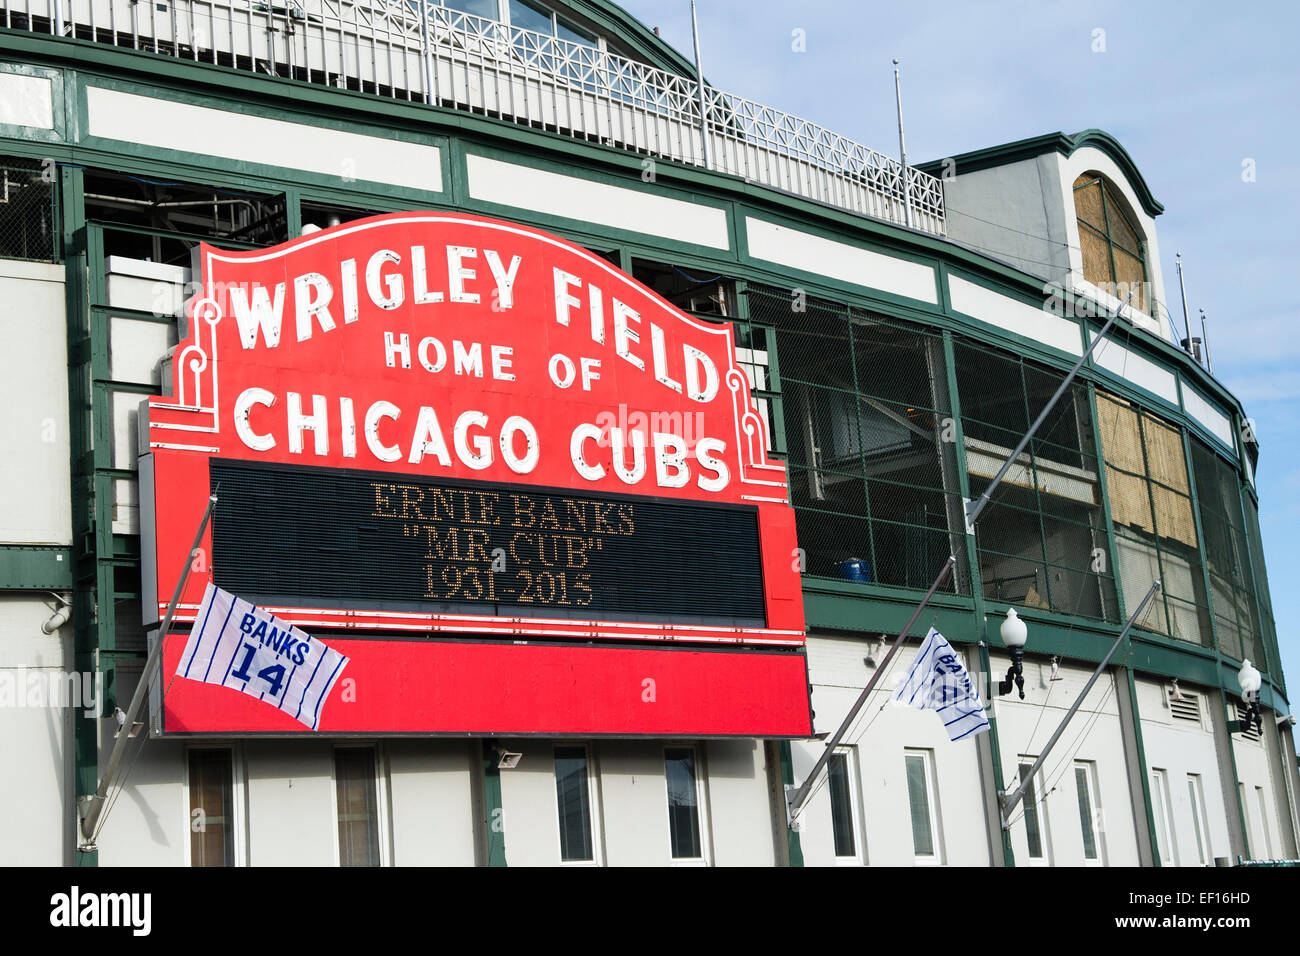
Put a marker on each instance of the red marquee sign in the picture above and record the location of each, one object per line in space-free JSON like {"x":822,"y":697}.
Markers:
{"x":522,"y":492}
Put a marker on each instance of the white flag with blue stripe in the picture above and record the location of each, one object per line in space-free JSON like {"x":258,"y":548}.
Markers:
{"x":238,"y":645}
{"x":939,"y":682}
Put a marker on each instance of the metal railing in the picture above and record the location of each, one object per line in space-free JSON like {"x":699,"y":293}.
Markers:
{"x":415,"y":50}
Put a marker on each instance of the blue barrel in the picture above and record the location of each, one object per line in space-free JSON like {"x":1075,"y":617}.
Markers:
{"x":854,"y":569}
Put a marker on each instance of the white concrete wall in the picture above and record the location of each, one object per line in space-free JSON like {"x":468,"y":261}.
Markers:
{"x":430,"y":787}
{"x":35,"y":736}
{"x":291,"y":803}
{"x":630,"y":803}
{"x":882,"y":734}
{"x":35,"y":500}
{"x":1094,"y":736}
{"x":1258,"y":781}
{"x":1180,"y":748}
{"x":742,"y":815}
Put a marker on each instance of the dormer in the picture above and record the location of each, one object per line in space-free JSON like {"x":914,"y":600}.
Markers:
{"x":1072,"y":210}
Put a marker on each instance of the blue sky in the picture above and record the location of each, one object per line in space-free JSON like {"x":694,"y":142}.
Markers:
{"x":1191,"y":89}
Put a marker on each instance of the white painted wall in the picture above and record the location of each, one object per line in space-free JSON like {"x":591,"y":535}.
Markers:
{"x":1136,"y":369}
{"x":26,"y":101}
{"x":1255,"y":772}
{"x":1012,"y":315}
{"x":630,"y":803}
{"x":36,"y":735}
{"x":839,"y":260}
{"x":737,"y":787}
{"x":1094,"y":735}
{"x":35,"y":496}
{"x":291,"y":803}
{"x":635,"y":799}
{"x":432,"y":813}
{"x":572,"y":197}
{"x":1180,"y":747}
{"x":881,"y":735}
{"x":204,"y":131}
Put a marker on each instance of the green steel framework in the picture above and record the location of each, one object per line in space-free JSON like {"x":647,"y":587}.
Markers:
{"x":103,"y":568}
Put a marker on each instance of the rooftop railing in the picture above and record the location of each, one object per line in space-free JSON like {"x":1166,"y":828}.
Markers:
{"x":418,"y":51}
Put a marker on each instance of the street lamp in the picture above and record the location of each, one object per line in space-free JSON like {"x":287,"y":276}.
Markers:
{"x":1014,"y":634}
{"x":1250,"y":680}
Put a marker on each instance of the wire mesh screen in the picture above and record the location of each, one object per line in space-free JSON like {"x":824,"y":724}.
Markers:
{"x":866,"y":412}
{"x":1227,"y":556}
{"x":27,"y":220}
{"x":1042,"y":541}
{"x":1151,"y":510}
{"x":1267,"y":623}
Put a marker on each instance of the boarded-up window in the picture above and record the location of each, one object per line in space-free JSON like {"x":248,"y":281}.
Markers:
{"x":1155,"y":529}
{"x":1114,"y":254}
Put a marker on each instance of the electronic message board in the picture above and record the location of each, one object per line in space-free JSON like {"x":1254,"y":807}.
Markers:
{"x":465,"y":450}
{"x":413,"y":543}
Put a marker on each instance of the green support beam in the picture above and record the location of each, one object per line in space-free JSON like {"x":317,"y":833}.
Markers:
{"x":31,"y":567}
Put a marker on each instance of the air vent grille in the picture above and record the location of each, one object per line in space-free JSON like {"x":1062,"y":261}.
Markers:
{"x":1253,"y":732}
{"x":1188,"y":708}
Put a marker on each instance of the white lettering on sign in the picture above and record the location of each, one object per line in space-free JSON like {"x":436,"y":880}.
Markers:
{"x":699,"y":371}
{"x":261,"y":314}
{"x":443,"y":277}
{"x":260,"y":309}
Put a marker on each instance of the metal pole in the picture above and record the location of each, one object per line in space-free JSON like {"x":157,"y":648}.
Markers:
{"x":1205,"y":344}
{"x":975,"y":508}
{"x":800,"y":796}
{"x":699,"y":83}
{"x":428,"y":55}
{"x":1187,"y":323}
{"x":1009,"y":801}
{"x":902,"y":147}
{"x":93,"y":805}
{"x":58,"y":17}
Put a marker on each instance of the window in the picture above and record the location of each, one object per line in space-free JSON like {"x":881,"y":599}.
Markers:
{"x":1085,"y":783}
{"x":1227,"y":556}
{"x":212,"y":807}
{"x":867,"y":418}
{"x":1269,"y":651}
{"x":1114,"y":252}
{"x":1200,"y":820}
{"x":527,"y":15}
{"x":487,"y":9}
{"x":842,"y":782}
{"x":1039,"y":547}
{"x":1166,"y":849}
{"x":356,"y":781}
{"x":683,"y":804}
{"x":1150,"y":493}
{"x":925,"y":819}
{"x":1035,"y":816}
{"x":573,"y":796}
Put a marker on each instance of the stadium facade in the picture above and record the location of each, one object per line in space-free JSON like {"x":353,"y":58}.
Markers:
{"x":897,"y":328}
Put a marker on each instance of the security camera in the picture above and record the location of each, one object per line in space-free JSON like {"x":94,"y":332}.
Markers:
{"x":1285,"y":719}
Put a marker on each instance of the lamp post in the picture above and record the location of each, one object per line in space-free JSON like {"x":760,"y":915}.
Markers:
{"x":1251,"y":680}
{"x":1014,"y":634}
